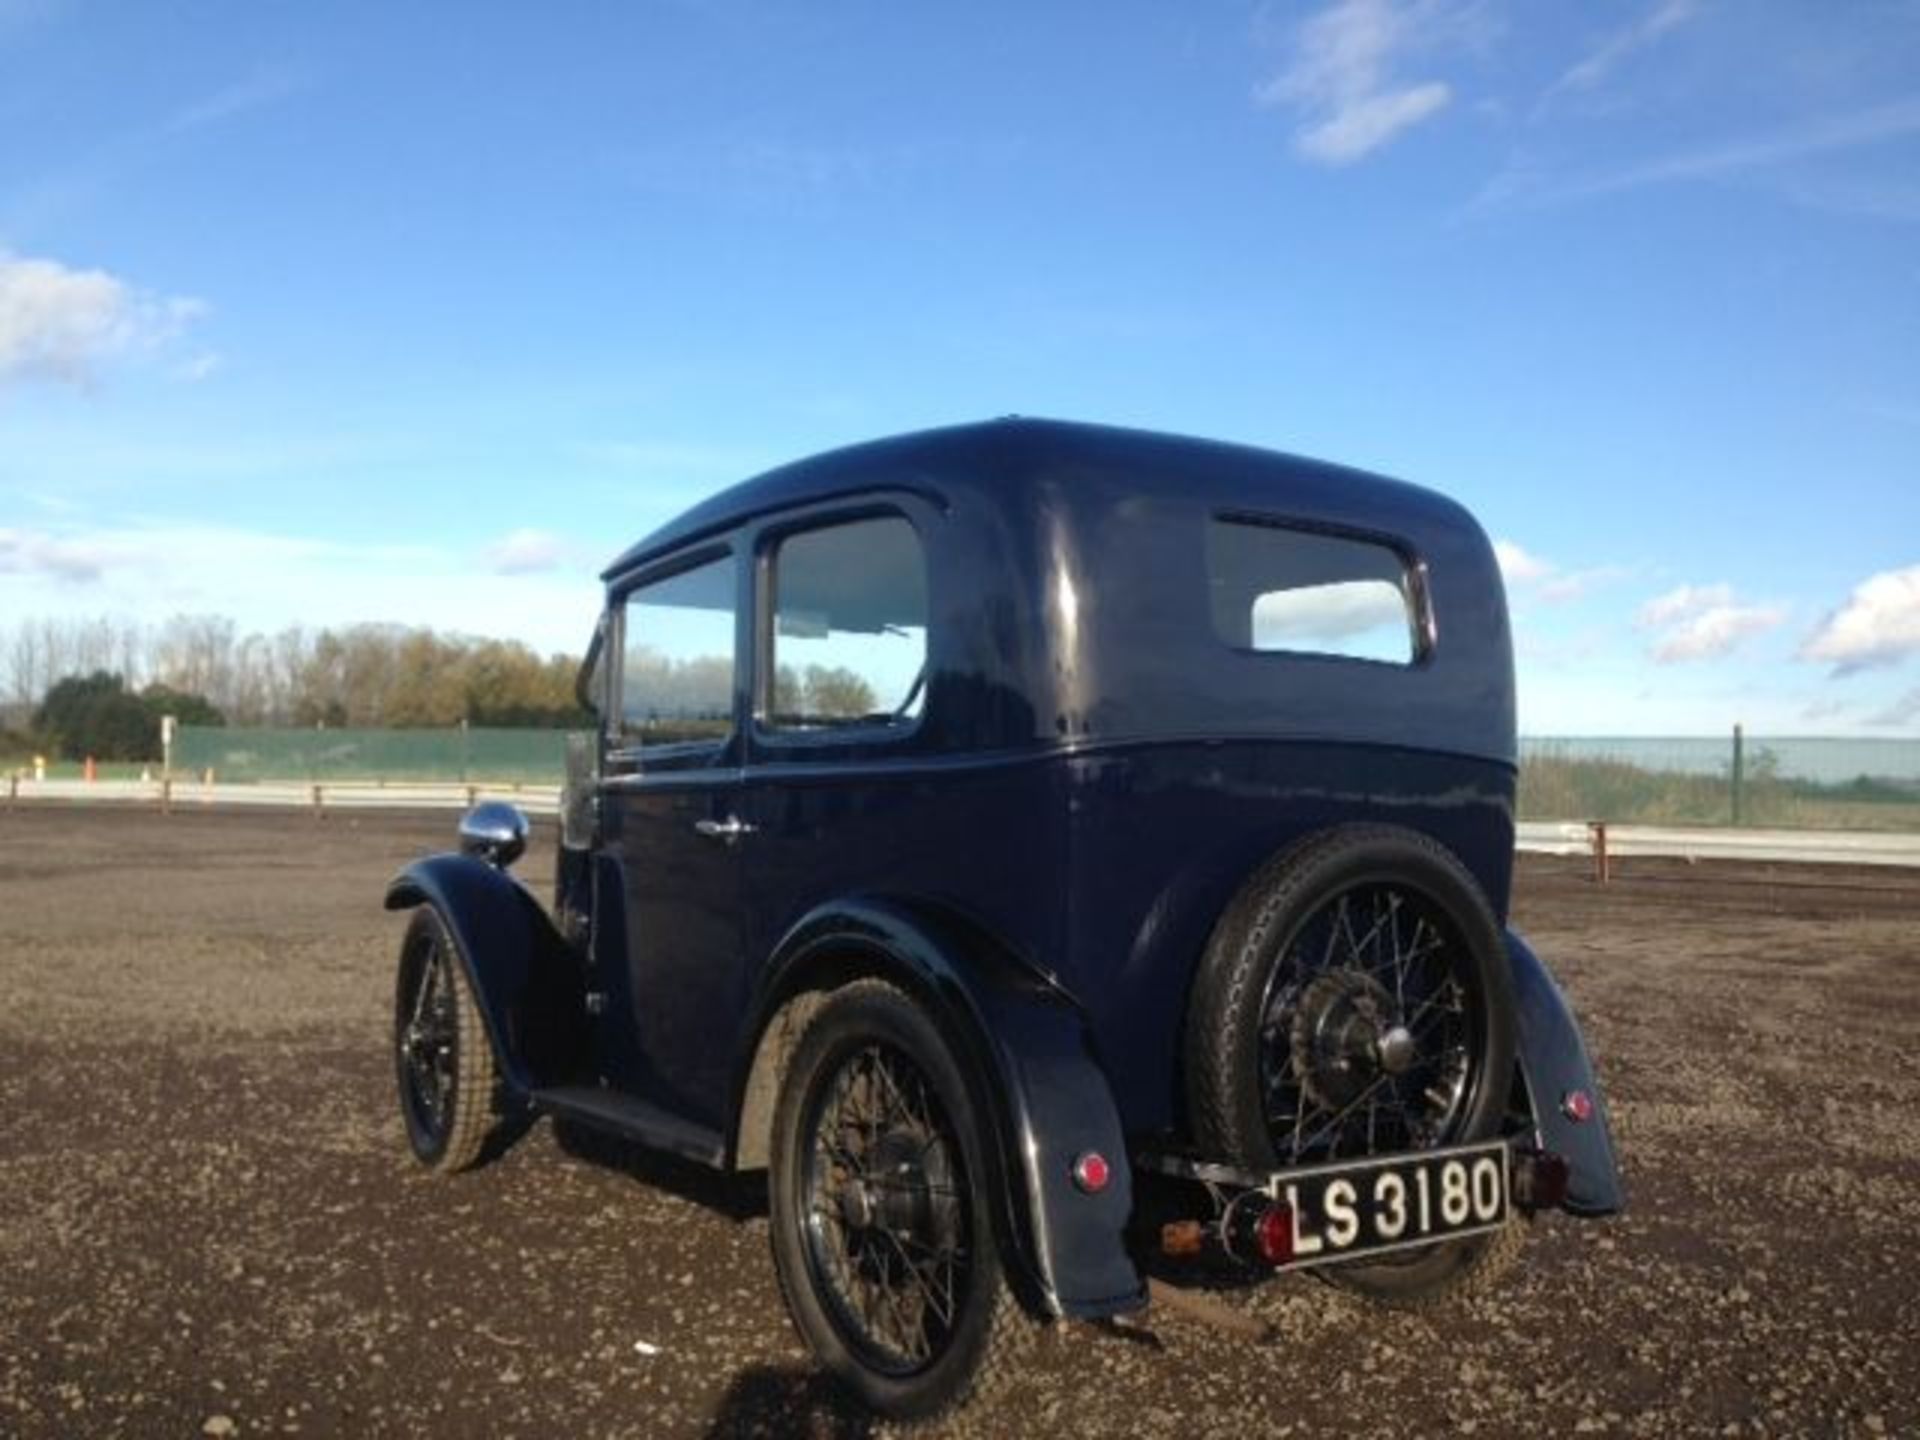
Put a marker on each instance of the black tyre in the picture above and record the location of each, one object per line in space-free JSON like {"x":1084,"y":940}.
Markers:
{"x":882,"y":1235}
{"x":443,"y":1059}
{"x":1355,"y":1000}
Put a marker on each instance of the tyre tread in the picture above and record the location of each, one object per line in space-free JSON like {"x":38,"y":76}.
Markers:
{"x":1009,"y":1332}
{"x":476,"y":1084}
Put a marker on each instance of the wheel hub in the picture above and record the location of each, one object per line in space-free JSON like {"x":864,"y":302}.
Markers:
{"x":1346,"y":1033}
{"x":1395,"y":1050}
{"x":898,"y":1190}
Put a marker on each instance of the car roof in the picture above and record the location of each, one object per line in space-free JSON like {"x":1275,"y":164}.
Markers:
{"x":1016,"y":451}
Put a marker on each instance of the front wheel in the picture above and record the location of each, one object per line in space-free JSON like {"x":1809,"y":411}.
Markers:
{"x":443,"y":1060}
{"x":882,"y":1235}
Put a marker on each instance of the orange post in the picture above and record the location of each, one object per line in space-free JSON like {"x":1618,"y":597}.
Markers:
{"x":89,"y":771}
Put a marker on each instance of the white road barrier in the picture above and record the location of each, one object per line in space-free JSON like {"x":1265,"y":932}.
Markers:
{"x":288,"y":794}
{"x":1835,"y":847}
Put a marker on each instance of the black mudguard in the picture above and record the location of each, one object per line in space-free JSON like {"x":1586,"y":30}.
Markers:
{"x":525,"y":978}
{"x":1553,"y":1058}
{"x":1028,"y":1047}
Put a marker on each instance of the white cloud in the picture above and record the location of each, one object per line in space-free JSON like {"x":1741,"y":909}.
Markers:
{"x":265,"y":86}
{"x":1517,"y":564}
{"x":1572,"y":585}
{"x":1766,"y":160}
{"x":1367,"y":123}
{"x":1904,"y":711}
{"x":1825,"y":136}
{"x":1341,"y":79}
{"x":1703,"y":622}
{"x":524,"y":551}
{"x":1546,"y":581}
{"x":199,"y":367}
{"x":267,"y":581}
{"x":1829,"y":709}
{"x":1679,"y":604}
{"x":1666,"y":16}
{"x":27,"y":552}
{"x":61,"y":324}
{"x":1879,"y":624}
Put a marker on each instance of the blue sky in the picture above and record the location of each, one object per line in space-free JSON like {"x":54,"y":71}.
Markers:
{"x":313,"y":314}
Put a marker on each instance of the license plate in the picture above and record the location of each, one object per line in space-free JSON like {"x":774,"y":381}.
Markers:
{"x":1394,"y":1202}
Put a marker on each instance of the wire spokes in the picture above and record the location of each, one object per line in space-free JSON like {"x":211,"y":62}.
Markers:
{"x":1367,"y":1035}
{"x":888,"y":1209}
{"x":429,"y":1036}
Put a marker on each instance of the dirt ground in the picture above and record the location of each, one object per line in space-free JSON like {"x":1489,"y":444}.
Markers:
{"x":209,"y":1222}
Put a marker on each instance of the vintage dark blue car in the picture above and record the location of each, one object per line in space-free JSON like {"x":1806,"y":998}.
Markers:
{"x":989,"y":829}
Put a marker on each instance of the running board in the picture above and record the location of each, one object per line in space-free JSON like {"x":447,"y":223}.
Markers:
{"x":634,"y":1119}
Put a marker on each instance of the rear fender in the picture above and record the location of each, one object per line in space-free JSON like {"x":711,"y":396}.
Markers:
{"x":1554,"y":1061}
{"x":1027,"y":1050}
{"x":526,"y":980}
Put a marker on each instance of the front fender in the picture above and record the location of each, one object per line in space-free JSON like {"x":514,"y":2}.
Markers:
{"x":523,"y":975}
{"x":1553,"y":1058}
{"x":1028,"y":1049}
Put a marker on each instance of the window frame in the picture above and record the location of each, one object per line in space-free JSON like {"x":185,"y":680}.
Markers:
{"x":622,"y":749}
{"x":1423,"y":631}
{"x":770,"y":737}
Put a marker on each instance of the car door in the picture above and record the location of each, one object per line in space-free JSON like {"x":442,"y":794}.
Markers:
{"x":842,"y":676}
{"x":670,"y":802}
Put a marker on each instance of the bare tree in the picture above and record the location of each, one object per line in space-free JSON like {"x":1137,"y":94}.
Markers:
{"x":23,"y":664}
{"x":195,"y":654}
{"x":359,"y":675}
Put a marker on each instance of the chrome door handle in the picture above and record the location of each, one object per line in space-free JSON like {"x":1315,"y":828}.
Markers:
{"x":729,"y":829}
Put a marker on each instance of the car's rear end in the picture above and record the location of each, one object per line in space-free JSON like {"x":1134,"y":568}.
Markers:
{"x":1284,"y":693}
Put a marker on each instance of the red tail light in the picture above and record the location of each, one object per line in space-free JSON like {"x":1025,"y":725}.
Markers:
{"x":1273,"y":1236}
{"x":1257,"y":1231}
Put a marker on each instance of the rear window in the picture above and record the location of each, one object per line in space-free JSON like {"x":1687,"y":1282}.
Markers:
{"x":1277,"y":588}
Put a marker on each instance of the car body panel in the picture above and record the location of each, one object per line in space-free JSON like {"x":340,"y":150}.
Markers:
{"x":526,"y":980}
{"x":1553,"y":1056}
{"x":1041,"y":1084}
{"x":681,"y":895}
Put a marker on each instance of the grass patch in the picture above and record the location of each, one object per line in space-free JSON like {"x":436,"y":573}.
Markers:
{"x":1557,"y":787}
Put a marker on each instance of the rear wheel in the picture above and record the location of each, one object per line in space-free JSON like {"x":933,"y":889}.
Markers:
{"x":443,"y":1059}
{"x":882,"y":1236}
{"x":1355,"y":1000}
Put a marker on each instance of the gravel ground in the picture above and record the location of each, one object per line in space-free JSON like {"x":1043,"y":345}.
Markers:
{"x":209,"y":1224}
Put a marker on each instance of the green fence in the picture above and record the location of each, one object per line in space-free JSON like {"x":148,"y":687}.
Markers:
{"x":1829,"y":784}
{"x":528,"y":757}
{"x":1736,"y":779}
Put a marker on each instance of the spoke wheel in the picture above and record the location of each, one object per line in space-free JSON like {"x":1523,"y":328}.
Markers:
{"x":1355,"y":1000}
{"x":887,"y":1219}
{"x":1368,"y":1037}
{"x":443,"y":1061}
{"x":882,"y":1238}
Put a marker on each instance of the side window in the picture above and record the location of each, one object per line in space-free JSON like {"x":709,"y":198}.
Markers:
{"x":676,"y":676}
{"x":849,"y":627}
{"x":1275,"y":588}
